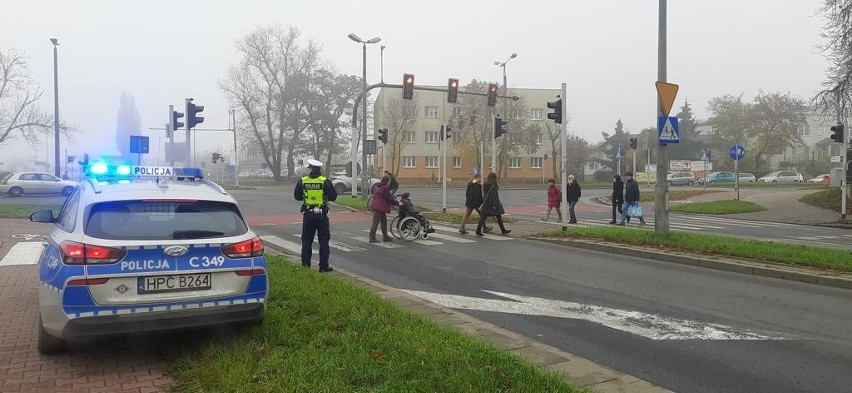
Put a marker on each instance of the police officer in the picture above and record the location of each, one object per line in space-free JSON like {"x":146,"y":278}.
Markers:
{"x":315,"y":191}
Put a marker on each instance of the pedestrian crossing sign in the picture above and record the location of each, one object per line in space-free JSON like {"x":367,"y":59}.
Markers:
{"x":668,"y":130}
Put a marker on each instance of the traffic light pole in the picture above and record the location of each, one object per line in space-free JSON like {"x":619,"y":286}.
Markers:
{"x":171,"y":133}
{"x":189,"y":158}
{"x":564,"y":97}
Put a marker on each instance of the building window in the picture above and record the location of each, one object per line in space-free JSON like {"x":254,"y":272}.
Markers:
{"x":431,"y":161}
{"x":431,"y":136}
{"x":457,"y":112}
{"x":594,"y":165}
{"x":410,"y":137}
{"x":516,"y":114}
{"x":409,"y":162}
{"x":457,"y":162}
{"x":807,"y":129}
{"x":535,"y":162}
{"x":431,"y":112}
{"x":537,"y":114}
{"x":515,"y":163}
{"x":538,"y":138}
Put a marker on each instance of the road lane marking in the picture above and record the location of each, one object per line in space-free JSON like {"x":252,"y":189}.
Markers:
{"x":379,"y":244}
{"x":451,"y":238}
{"x":23,"y":253}
{"x":419,"y":240}
{"x":652,"y":326}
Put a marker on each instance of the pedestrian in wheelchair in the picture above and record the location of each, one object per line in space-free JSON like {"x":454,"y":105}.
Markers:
{"x":406,"y":209}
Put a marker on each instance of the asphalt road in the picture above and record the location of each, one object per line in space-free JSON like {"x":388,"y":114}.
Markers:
{"x":685,"y":328}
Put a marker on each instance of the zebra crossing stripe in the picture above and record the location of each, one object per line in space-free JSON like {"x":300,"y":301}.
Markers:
{"x":487,"y":236}
{"x":379,"y":244}
{"x":420,"y":240}
{"x":451,"y":238}
{"x":336,"y":244}
{"x":285,"y":244}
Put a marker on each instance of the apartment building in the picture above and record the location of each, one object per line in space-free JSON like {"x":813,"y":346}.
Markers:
{"x":414,"y":149}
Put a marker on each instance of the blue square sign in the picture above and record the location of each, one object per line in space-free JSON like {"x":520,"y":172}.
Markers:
{"x":668,"y":130}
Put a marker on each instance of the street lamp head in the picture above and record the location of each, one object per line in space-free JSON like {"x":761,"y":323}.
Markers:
{"x":374,"y":40}
{"x":54,"y":41}
{"x":383,"y":47}
{"x":355,"y":38}
{"x":514,"y":55}
{"x":497,"y":63}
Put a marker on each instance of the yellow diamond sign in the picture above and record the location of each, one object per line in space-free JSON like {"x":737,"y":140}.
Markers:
{"x":667,"y":93}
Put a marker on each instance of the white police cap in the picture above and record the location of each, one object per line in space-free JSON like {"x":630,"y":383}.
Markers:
{"x":314,"y":163}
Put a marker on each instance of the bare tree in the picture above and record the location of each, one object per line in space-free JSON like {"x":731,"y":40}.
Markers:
{"x":19,"y":94}
{"x":269,"y":87}
{"x":330,"y":97}
{"x":400,"y":116}
{"x":837,"y":30}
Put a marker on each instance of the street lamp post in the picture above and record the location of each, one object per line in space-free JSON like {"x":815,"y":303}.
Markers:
{"x":505,"y":110}
{"x":382,"y":63}
{"x":55,"y":43}
{"x":373,"y":40}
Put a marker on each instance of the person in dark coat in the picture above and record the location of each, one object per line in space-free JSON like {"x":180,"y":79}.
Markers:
{"x":573,"y":197}
{"x":393,"y":185}
{"x":491,"y":205}
{"x":472,"y":200}
{"x":631,"y":197}
{"x":381,"y":205}
{"x":617,"y":197}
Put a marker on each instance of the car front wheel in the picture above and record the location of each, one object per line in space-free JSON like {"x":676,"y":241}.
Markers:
{"x":689,"y":183}
{"x":16,"y":191}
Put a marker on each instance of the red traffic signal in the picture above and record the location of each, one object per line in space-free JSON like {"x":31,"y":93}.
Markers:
{"x":492,"y":95}
{"x":453,"y":91}
{"x":407,"y":86}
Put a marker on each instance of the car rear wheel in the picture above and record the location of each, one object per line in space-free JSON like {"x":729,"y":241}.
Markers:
{"x":67,"y":190}
{"x":47,"y":344}
{"x":689,"y":183}
{"x":16,"y":191}
{"x":341,"y":189}
{"x":775,"y":181}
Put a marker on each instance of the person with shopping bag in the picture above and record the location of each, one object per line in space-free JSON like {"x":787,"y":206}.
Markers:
{"x":631,"y":207}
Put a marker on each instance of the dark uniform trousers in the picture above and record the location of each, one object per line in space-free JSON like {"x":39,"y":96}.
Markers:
{"x":313,"y":223}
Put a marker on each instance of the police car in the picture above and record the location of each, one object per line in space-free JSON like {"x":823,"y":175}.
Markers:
{"x":146,"y":249}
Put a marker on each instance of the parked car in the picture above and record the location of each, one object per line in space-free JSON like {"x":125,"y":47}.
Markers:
{"x":146,"y":256}
{"x":718,"y":177}
{"x":20,"y":183}
{"x":782,"y":177}
{"x":343,"y":184}
{"x":681,"y":179}
{"x":819,"y":179}
{"x":747,"y":177}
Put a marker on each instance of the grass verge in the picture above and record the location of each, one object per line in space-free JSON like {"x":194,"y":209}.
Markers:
{"x":456,"y":218}
{"x":674,"y":195}
{"x":718,"y":207}
{"x":791,"y":254}
{"x":23,"y":211}
{"x":322,"y":334}
{"x":826,"y":199}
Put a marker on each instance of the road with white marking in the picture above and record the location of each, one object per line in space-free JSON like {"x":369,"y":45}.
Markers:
{"x":685,"y":328}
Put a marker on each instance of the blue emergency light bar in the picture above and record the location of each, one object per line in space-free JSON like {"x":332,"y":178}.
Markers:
{"x":104,"y":170}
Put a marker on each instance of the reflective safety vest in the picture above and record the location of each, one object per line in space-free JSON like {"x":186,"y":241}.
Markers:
{"x":313,"y":190}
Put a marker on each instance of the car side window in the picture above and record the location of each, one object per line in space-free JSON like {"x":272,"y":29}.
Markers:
{"x":68,"y":215}
{"x":48,"y":177}
{"x":27,"y":176}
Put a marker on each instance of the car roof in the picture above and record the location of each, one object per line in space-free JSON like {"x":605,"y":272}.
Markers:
{"x":193,"y":190}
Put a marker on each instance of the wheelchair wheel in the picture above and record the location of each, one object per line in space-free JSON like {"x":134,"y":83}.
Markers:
{"x":409,"y":228}
{"x":394,"y":228}
{"x":425,"y":235}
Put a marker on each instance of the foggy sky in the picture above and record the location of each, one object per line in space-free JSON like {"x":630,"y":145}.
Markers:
{"x":606,"y":50}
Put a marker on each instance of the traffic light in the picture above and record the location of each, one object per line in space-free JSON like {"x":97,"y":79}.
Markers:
{"x":446,"y":133}
{"x":499,"y":127}
{"x":837,"y":133}
{"x":383,"y":135}
{"x":407,"y":86}
{"x":453,"y":91}
{"x":709,"y":156}
{"x":633,"y":143}
{"x":556,"y":116}
{"x":175,"y":120}
{"x":192,"y":111}
{"x":216,"y":157}
{"x":492,"y":95}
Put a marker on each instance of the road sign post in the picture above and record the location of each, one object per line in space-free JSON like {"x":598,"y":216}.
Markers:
{"x":666,"y":93}
{"x":737,"y":152}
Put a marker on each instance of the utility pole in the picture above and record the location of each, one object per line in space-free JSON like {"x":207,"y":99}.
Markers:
{"x":564,"y":97}
{"x":364,"y":129}
{"x":661,"y":215}
{"x":841,"y":108}
{"x":236,"y":153}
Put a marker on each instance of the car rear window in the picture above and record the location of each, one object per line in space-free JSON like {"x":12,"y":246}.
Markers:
{"x":157,"y":220}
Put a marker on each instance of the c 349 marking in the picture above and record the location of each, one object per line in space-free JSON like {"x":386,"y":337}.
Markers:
{"x":216,"y":261}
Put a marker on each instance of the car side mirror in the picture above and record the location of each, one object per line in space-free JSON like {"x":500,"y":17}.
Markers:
{"x":45,"y":216}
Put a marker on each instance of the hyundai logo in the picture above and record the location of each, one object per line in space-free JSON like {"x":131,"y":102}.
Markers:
{"x":175,"y":251}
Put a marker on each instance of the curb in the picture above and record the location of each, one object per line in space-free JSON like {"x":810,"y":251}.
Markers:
{"x":745,"y":266}
{"x":575,"y":370}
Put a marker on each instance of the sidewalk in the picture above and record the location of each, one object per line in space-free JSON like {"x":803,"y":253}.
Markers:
{"x":115,"y":366}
